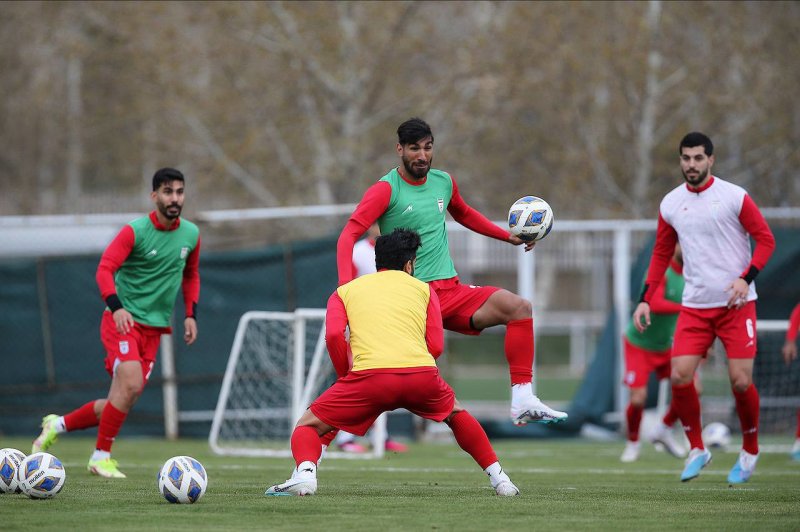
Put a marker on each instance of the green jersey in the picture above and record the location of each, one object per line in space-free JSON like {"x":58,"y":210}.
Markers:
{"x":658,"y":336}
{"x":148,"y":280}
{"x":422,"y":208}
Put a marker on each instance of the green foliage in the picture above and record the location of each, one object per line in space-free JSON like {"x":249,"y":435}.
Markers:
{"x":566,"y":485}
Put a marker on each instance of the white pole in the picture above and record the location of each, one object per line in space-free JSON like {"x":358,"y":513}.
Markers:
{"x":622,"y":281}
{"x":298,"y":369}
{"x":526,"y":284}
{"x":169,"y":388}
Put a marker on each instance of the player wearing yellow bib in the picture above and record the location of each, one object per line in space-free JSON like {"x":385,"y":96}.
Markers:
{"x":395,"y":336}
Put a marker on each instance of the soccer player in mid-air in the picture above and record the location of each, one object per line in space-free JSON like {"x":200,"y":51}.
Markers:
{"x":649,"y":351}
{"x":395,"y":336}
{"x":139,"y":275}
{"x":789,"y":352}
{"x":713,"y":219}
{"x":416,"y":196}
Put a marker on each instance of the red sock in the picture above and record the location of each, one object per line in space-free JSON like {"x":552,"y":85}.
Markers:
{"x":634,"y":417}
{"x":671,"y":416}
{"x":111,"y":421}
{"x":81,"y":418}
{"x":328,"y":437}
{"x":306,"y":446}
{"x":472,"y":438}
{"x":519,"y":350}
{"x":797,"y":434}
{"x":747,"y":404}
{"x":687,"y":405}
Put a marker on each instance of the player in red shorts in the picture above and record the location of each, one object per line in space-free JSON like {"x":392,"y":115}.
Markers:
{"x":789,"y":352}
{"x":395,"y":334}
{"x":418,"y":197}
{"x":714,"y":220}
{"x":139,"y":275}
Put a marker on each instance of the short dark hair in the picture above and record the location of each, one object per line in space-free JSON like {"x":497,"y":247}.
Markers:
{"x":413,"y":130}
{"x":695,"y":138}
{"x":166,"y":175}
{"x":392,"y":251}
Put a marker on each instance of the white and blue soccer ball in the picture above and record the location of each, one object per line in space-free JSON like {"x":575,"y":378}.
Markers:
{"x":182,"y":480}
{"x":41,"y":476}
{"x":10,"y":460}
{"x":717,"y":435}
{"x":530,"y":218}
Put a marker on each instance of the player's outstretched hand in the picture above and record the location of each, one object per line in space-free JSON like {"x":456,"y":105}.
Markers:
{"x":123,"y":320}
{"x":789,"y":352}
{"x":641,"y":316}
{"x":515,"y":240}
{"x":190,"y":330}
{"x":739,"y":290}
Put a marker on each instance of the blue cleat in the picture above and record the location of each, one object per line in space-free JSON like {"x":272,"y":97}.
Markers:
{"x":698,"y":459}
{"x":796,"y":450}
{"x":743,"y":468}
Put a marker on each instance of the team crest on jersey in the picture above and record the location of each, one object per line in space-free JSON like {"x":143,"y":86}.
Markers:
{"x":440,"y":202}
{"x":124,"y":347}
{"x":184,"y":252}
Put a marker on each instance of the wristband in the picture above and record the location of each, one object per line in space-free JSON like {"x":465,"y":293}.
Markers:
{"x":113,"y":302}
{"x":644,"y":291}
{"x":750,"y":276}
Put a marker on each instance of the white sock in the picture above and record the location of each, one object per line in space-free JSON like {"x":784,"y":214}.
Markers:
{"x":100,"y":455}
{"x":306,"y":468}
{"x":60,"y":426}
{"x":521,"y":392}
{"x":496,"y":474}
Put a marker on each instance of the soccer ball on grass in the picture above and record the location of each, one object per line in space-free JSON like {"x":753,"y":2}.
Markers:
{"x":41,"y":476}
{"x":717,"y":435}
{"x":182,"y":480}
{"x":10,"y":460}
{"x":530,"y":218}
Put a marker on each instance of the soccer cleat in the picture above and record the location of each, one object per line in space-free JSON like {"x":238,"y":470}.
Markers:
{"x":743,"y":468}
{"x":532,"y":409}
{"x":106,"y":468}
{"x":395,"y":446}
{"x":48,"y":436}
{"x":662,"y":436}
{"x":631,"y":452}
{"x":352,"y":447}
{"x":697,"y":460}
{"x":504,"y":487}
{"x":303,"y":482}
{"x":795,"y":454}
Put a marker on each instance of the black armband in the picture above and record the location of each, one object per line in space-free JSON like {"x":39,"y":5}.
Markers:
{"x":750,"y":276}
{"x":644,"y":291}
{"x":113,"y":302}
{"x":193,"y":315}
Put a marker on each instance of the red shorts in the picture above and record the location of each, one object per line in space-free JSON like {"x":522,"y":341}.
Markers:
{"x":459,"y":302}
{"x":356,"y":400}
{"x":639,"y":363}
{"x":697,"y":328}
{"x":140,"y":344}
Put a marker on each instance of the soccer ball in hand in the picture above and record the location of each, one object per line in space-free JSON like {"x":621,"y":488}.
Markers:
{"x":717,"y":435}
{"x":530,"y":218}
{"x":10,"y":460}
{"x":41,"y":476}
{"x":182,"y":480}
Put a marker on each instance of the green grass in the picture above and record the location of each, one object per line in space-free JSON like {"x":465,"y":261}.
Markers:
{"x":565,"y":484}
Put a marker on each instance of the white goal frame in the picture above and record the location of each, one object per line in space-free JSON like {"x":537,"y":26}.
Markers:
{"x":304,"y":387}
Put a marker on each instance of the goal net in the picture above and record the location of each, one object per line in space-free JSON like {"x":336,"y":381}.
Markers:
{"x":277,"y":366}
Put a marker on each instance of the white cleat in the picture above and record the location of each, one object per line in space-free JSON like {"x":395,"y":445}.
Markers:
{"x":631,"y":452}
{"x":534,"y":410}
{"x":662,"y":436}
{"x":504,"y":487}
{"x":303,"y":482}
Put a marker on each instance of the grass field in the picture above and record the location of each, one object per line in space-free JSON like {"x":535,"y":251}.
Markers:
{"x":565,"y":484}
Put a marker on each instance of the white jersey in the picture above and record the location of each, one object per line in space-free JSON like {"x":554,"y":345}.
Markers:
{"x":716,"y":247}
{"x":364,"y":257}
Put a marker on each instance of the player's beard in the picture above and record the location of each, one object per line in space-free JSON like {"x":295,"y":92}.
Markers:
{"x":171,"y":211}
{"x":695,"y":180}
{"x":417,"y":172}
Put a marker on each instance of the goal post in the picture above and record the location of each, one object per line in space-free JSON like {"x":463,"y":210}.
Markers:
{"x":277,"y":366}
